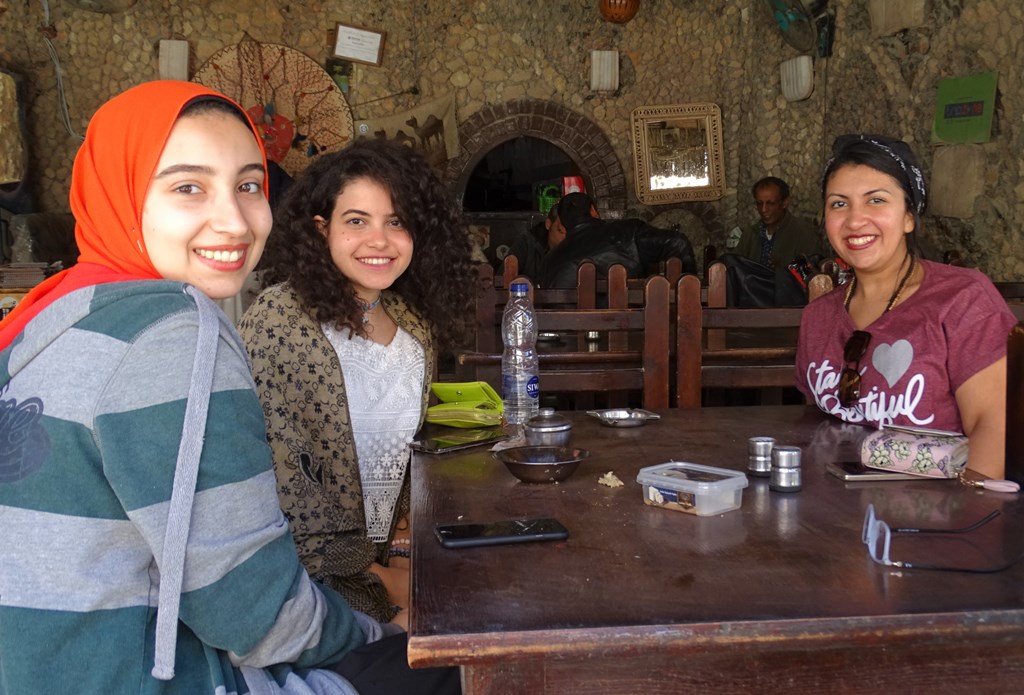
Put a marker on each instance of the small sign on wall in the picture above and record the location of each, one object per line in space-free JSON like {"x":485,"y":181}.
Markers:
{"x":963,"y":109}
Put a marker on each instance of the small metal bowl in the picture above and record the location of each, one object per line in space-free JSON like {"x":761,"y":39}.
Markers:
{"x":541,"y":464}
{"x":624,"y":417}
{"x":547,"y":428}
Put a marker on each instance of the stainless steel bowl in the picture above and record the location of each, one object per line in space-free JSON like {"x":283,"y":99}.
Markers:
{"x":624,"y":417}
{"x":541,"y":464}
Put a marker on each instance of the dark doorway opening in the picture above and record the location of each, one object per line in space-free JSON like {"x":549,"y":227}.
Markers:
{"x":512,"y":176}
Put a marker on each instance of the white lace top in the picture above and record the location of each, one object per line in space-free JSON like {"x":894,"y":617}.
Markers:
{"x":384,"y":387}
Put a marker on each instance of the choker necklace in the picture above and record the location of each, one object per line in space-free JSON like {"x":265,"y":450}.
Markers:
{"x":368,"y":307}
{"x":897,"y":293}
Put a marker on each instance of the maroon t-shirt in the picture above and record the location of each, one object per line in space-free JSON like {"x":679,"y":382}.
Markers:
{"x":920,"y":353}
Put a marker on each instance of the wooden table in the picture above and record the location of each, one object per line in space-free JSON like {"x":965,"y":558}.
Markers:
{"x":779,"y":595}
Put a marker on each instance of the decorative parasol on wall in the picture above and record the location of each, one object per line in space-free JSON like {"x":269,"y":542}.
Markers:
{"x":294,"y":101}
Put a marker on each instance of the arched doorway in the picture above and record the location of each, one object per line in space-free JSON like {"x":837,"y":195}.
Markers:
{"x":568,"y":142}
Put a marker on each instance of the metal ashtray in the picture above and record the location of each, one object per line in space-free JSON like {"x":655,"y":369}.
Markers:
{"x":541,"y":464}
{"x":624,"y":417}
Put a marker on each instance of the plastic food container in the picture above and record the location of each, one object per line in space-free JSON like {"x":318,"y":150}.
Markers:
{"x":692,"y":488}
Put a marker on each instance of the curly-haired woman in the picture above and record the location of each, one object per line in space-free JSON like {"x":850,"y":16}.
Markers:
{"x":368,"y":274}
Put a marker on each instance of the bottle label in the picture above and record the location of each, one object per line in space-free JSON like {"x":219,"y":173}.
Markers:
{"x":533,"y":387}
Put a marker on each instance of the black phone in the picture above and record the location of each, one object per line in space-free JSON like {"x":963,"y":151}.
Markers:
{"x":470,"y":534}
{"x":854,"y":471}
{"x":462,"y":439}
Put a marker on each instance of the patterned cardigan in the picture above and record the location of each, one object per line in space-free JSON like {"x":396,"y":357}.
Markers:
{"x":302,"y":389}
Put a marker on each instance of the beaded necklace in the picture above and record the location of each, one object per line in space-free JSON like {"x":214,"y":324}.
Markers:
{"x":368,"y":307}
{"x":897,"y":293}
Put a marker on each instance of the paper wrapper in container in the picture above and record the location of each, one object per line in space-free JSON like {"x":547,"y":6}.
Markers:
{"x":928,"y":454}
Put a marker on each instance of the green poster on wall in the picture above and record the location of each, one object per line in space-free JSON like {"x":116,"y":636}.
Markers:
{"x":963,"y":109}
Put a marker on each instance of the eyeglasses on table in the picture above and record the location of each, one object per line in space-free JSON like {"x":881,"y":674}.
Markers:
{"x":877,"y":536}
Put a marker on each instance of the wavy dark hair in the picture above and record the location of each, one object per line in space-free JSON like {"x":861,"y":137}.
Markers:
{"x":439,"y":282}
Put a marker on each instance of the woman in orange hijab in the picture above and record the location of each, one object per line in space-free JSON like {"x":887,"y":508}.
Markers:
{"x":142,"y":537}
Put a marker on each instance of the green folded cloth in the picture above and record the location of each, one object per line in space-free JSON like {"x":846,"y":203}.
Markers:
{"x":465,"y":404}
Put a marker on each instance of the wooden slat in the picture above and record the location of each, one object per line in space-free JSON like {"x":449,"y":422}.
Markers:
{"x":748,"y":376}
{"x":511,"y":269}
{"x":1010,"y":290}
{"x":688,"y":342}
{"x":750,"y":317}
{"x":556,"y":358}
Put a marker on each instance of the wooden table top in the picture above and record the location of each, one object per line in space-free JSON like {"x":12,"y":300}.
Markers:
{"x":785,"y":566}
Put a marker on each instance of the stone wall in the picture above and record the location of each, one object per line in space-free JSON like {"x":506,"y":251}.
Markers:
{"x":494,"y":52}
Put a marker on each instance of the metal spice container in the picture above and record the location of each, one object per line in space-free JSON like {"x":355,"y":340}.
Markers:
{"x":547,"y":428}
{"x":785,"y":476}
{"x":759,"y":461}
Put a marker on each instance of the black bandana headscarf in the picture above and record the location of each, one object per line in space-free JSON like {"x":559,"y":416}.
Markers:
{"x":897,"y":150}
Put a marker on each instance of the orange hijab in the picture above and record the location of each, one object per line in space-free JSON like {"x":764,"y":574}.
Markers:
{"x":109,"y":182}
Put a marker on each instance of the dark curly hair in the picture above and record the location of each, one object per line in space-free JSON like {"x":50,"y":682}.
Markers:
{"x":438,"y":284}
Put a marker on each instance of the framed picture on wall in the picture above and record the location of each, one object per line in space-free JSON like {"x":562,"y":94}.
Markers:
{"x":358,"y":44}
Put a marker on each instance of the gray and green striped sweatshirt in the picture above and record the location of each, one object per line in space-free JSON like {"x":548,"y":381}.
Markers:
{"x":93,"y":396}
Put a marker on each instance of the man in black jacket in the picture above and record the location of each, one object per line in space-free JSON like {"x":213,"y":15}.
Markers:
{"x":631,"y":242}
{"x":531,"y":246}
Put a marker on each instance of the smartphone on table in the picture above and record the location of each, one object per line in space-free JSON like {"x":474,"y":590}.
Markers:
{"x":459,"y":439}
{"x":855,"y":471}
{"x":471,"y":534}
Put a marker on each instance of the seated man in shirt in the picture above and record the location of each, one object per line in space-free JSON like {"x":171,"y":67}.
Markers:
{"x":630,"y":242}
{"x":771,"y":244}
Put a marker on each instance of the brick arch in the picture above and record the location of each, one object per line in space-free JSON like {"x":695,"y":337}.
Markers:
{"x":579,"y":137}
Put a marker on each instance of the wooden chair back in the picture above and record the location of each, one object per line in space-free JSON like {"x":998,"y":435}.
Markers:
{"x":819,"y":285}
{"x":1011,"y":291}
{"x":716,"y":275}
{"x":672,"y":269}
{"x":643,"y":368}
{"x":492,"y":295}
{"x":510,"y":268}
{"x":758,"y":357}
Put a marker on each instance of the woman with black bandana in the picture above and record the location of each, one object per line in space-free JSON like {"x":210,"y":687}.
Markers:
{"x":907,"y":341}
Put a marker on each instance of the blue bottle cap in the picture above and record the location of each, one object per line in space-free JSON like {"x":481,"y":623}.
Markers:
{"x":519,"y":288}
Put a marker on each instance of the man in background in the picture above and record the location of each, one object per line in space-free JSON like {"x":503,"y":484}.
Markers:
{"x":779,"y":236}
{"x":531,"y":246}
{"x":758,"y":268}
{"x":631,"y":242}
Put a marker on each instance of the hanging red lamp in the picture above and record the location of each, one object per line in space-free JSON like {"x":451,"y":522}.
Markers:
{"x":619,"y":11}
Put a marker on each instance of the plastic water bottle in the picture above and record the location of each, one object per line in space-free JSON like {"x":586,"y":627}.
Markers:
{"x":519,"y":382}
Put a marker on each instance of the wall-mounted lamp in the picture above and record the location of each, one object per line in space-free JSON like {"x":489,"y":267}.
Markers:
{"x":173,"y":59}
{"x":797,"y":78}
{"x":604,"y":71}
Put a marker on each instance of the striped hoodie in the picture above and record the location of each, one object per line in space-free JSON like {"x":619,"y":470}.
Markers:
{"x":93,"y":396}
